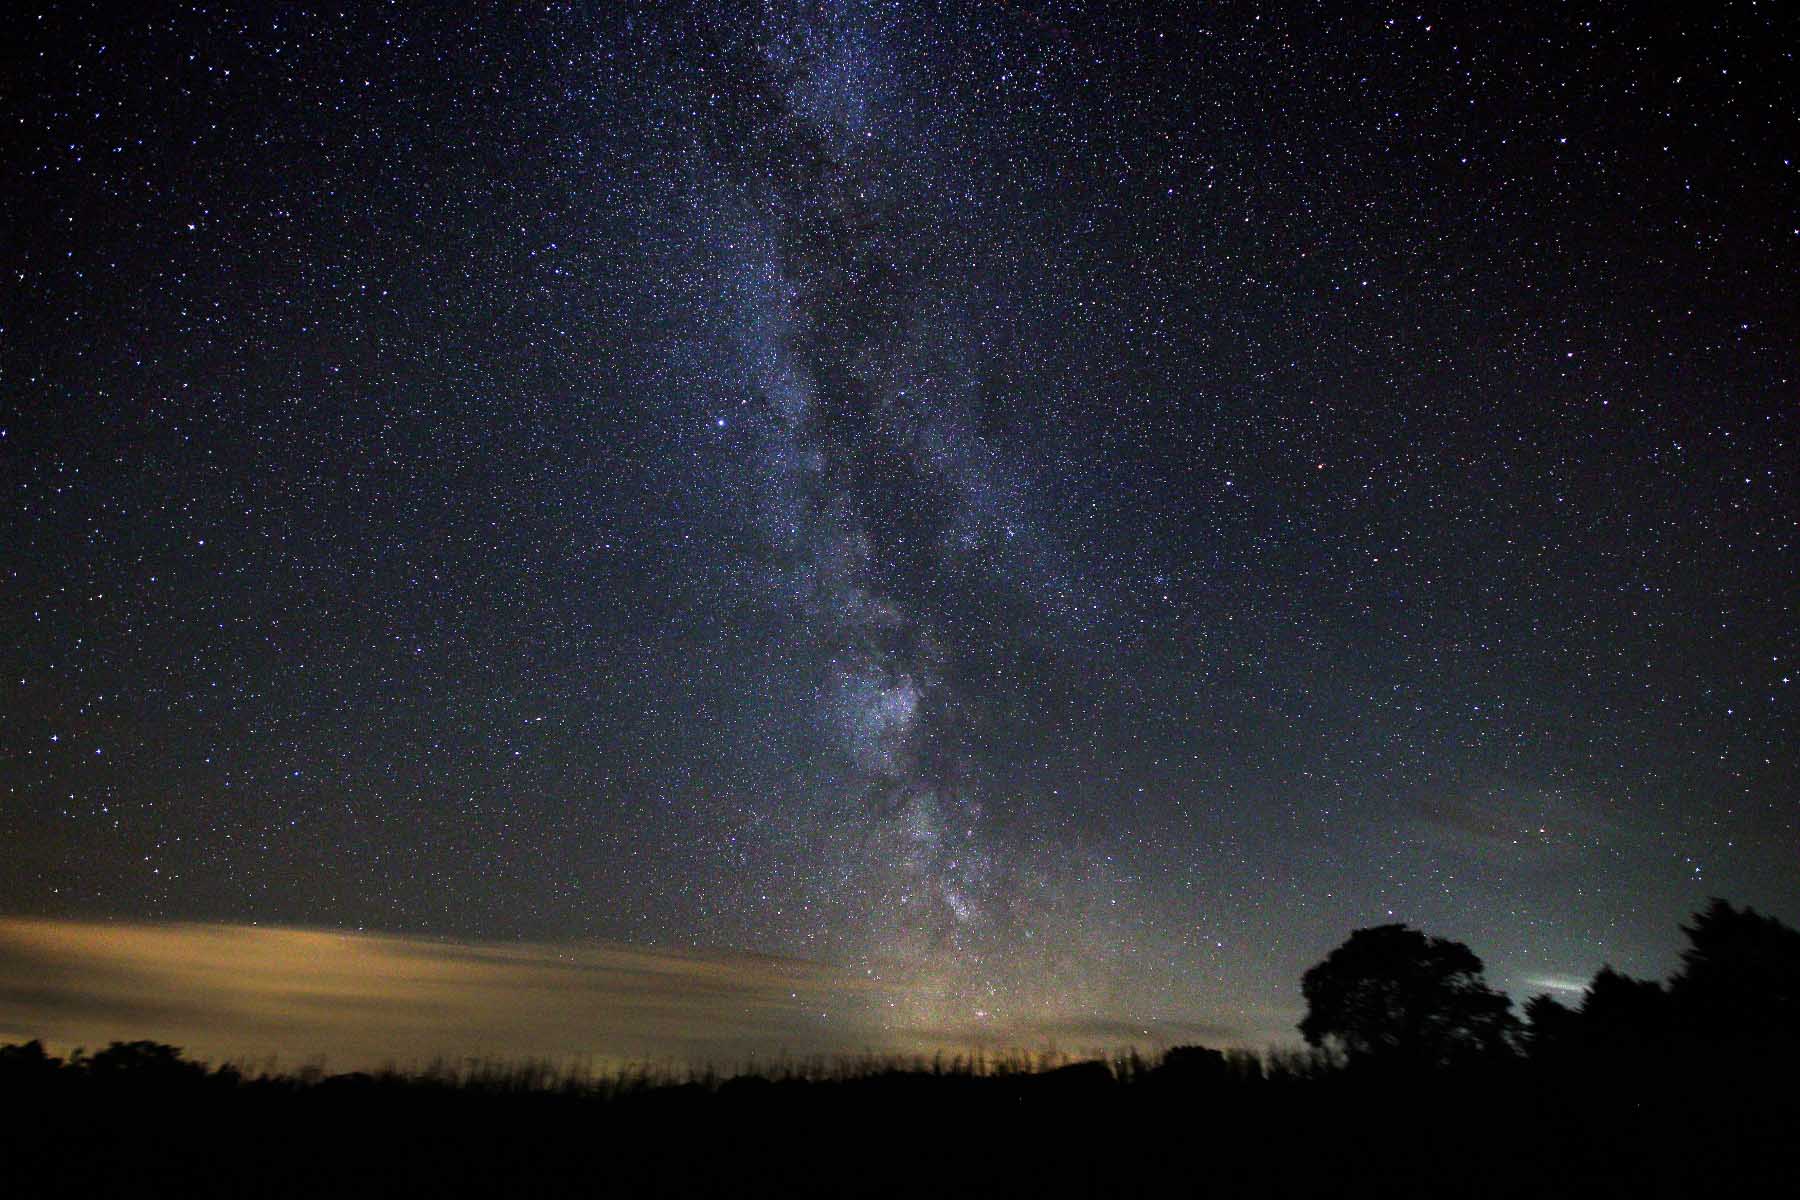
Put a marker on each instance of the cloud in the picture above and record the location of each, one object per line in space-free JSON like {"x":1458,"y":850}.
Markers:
{"x":362,"y":1000}
{"x":1518,"y":826}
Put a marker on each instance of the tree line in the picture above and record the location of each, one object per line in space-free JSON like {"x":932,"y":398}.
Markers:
{"x":1393,"y":998}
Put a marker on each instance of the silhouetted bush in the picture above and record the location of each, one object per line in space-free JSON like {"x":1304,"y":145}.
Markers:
{"x":1192,"y":1066}
{"x":1075,"y":1080}
{"x":143,"y":1063}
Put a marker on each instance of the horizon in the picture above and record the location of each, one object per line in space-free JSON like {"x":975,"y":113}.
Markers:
{"x":350,"y":999}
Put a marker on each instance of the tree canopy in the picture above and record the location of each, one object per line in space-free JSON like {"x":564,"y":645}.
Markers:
{"x":1392,"y":996}
{"x":1740,"y":975}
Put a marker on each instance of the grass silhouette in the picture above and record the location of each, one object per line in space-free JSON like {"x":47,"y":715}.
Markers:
{"x":138,"y":1119}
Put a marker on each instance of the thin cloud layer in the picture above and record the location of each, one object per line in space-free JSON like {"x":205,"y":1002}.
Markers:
{"x":362,"y":1000}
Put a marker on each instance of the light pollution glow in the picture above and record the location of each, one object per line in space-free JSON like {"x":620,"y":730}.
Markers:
{"x":245,"y":994}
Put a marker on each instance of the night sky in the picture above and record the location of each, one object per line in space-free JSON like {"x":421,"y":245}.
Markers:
{"x":1060,"y":515}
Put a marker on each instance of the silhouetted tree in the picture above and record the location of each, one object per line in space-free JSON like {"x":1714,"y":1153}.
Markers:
{"x":1551,"y":1027}
{"x":26,"y":1064}
{"x":1619,"y":1007}
{"x":1392,"y":996}
{"x":1739,"y":976}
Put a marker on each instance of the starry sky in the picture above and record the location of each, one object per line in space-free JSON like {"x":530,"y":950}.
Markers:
{"x":1051,"y":512}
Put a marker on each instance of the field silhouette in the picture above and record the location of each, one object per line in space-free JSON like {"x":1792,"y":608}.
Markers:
{"x":1645,"y":1089}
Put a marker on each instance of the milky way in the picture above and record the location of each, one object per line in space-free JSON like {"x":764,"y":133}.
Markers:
{"x":879,"y":504}
{"x":1054,"y":515}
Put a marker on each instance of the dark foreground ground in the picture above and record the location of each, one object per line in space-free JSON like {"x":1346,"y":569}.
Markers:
{"x":1726,"y":1127}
